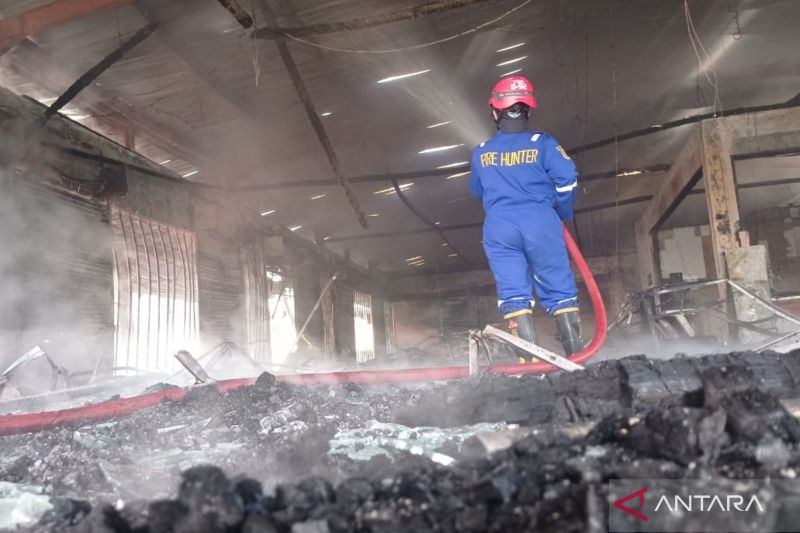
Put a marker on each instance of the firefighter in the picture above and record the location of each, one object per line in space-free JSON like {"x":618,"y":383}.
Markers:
{"x":527,"y":184}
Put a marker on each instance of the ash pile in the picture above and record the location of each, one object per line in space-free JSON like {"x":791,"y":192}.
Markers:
{"x":494,"y":453}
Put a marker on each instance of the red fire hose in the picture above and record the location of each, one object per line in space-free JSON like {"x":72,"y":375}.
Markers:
{"x":600,"y":320}
{"x":14,"y":424}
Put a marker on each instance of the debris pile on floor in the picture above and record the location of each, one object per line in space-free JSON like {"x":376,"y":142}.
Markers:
{"x":707,"y":417}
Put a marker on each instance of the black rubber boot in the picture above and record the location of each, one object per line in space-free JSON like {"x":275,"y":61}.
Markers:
{"x":522,"y":327}
{"x":525,"y":329}
{"x":569,"y":331}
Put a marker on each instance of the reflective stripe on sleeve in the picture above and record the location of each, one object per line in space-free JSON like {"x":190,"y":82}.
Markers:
{"x":567,"y":188}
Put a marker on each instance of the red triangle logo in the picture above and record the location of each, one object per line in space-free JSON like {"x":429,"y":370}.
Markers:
{"x":639,"y":494}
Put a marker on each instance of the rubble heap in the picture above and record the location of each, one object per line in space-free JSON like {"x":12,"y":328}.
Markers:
{"x":711,"y":417}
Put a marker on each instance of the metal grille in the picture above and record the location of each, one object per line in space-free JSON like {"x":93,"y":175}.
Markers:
{"x":391,"y":334}
{"x":221,"y":290}
{"x":257,"y":292}
{"x":155,"y":292}
{"x":283,"y":331}
{"x":328,"y":315}
{"x":365,"y":335}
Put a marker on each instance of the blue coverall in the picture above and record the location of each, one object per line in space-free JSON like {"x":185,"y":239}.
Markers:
{"x":527,"y":183}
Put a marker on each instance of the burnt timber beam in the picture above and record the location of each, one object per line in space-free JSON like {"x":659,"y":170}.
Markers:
{"x":397,"y":15}
{"x":474,"y":225}
{"x":319,"y":129}
{"x":793,"y":102}
{"x":683,"y":175}
{"x":239,"y":13}
{"x":432,"y":225}
{"x":190,"y":59}
{"x":724,"y":139}
{"x":744,"y":121}
{"x":710,"y":150}
{"x":61,"y":139}
{"x":720,"y":186}
{"x":93,"y":73}
{"x":32,"y":63}
{"x":14,"y":29}
{"x":772,"y":132}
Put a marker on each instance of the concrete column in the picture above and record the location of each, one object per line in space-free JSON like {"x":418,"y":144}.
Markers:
{"x":749,"y":267}
{"x":723,"y":208}
{"x":344,"y":321}
{"x":379,"y":325}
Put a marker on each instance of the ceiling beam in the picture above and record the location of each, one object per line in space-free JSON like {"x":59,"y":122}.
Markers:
{"x":33,"y":64}
{"x":193,"y":61}
{"x":239,"y":13}
{"x":473,"y":225}
{"x":97,"y":70}
{"x":396,"y":15}
{"x":424,"y":174}
{"x":411,"y":207}
{"x":694,"y":119}
{"x":14,"y":29}
{"x":678,"y":182}
{"x":316,"y":124}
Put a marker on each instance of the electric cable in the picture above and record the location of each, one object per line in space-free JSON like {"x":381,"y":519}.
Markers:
{"x":413,"y":47}
{"x":697,"y":45}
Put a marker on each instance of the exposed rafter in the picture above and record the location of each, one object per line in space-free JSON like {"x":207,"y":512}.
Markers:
{"x":33,"y":64}
{"x":313,"y":116}
{"x":694,"y":119}
{"x":475,"y":225}
{"x":424,"y":174}
{"x":397,"y":15}
{"x":93,"y":73}
{"x":239,"y":13}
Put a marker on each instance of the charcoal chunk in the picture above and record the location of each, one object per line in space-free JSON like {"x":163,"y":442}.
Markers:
{"x":681,"y":379}
{"x":103,"y":519}
{"x":67,"y":511}
{"x":259,"y":524}
{"x":213,"y":502}
{"x":640,"y":381}
{"x":753,"y":415}
{"x":163,"y":515}
{"x":265,"y":381}
{"x":354,"y":491}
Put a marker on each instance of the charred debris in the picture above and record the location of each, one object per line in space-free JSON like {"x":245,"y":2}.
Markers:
{"x":499,"y":454}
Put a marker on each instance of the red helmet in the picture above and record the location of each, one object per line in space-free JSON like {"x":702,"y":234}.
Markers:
{"x":512,"y":90}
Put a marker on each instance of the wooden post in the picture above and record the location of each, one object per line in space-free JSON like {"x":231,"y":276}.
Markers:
{"x":680,"y":179}
{"x":723,"y":208}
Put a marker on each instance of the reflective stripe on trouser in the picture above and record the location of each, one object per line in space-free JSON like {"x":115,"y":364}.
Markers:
{"x":526,"y":252}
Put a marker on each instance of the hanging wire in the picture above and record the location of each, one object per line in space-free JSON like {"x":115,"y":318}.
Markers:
{"x":414,"y":47}
{"x":734,"y":9}
{"x":592,"y":223}
{"x":707,"y":69}
{"x":256,"y":62}
{"x":700,"y":97}
{"x":615,"y":271}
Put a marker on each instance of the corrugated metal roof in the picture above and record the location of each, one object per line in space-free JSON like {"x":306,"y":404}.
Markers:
{"x":203,"y":79}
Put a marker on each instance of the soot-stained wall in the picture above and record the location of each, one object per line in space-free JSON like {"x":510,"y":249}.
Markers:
{"x":62,"y":274}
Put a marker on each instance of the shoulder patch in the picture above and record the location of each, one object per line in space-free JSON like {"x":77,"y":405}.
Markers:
{"x":535,"y":137}
{"x":483,"y":144}
{"x":562,"y":152}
